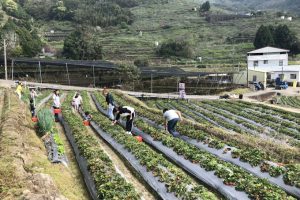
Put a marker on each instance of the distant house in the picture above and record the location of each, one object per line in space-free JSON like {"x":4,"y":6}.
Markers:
{"x":267,"y":56}
{"x":266,"y":64}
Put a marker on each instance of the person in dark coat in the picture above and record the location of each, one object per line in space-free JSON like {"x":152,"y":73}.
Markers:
{"x":129,"y":113}
{"x":110,"y":102}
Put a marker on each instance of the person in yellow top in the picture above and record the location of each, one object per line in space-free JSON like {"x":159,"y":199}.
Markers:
{"x":19,"y":90}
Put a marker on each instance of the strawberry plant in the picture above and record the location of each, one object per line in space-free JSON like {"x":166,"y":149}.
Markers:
{"x":251,"y":155}
{"x":174,"y":178}
{"x":276,"y":171}
{"x":109,"y":183}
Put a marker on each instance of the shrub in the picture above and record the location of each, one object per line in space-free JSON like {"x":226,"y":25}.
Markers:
{"x":46,"y":121}
{"x":179,"y":48}
{"x":141,"y":62}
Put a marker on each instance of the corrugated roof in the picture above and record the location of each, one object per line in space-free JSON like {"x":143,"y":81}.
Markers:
{"x":269,"y":50}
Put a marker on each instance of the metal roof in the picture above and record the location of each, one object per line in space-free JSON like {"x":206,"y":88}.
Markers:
{"x":268,"y":50}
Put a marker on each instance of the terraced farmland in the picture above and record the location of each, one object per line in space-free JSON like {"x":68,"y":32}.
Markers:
{"x":226,"y":150}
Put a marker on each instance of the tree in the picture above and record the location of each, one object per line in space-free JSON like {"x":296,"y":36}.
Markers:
{"x":280,"y":36}
{"x":27,"y":42}
{"x":179,"y":48}
{"x":263,"y":37}
{"x":284,"y":38}
{"x":129,"y":73}
{"x":205,"y":7}
{"x":80,"y":45}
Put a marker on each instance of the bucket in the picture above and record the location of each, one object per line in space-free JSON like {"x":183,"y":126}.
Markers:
{"x":86,"y":122}
{"x":34,"y":119}
{"x":56,"y":111}
{"x":139,"y":138}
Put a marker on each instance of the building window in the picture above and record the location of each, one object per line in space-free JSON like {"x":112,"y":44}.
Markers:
{"x":266,"y":62}
{"x":293,"y":76}
{"x":254,"y":78}
{"x":280,"y":62}
{"x":255,"y":63}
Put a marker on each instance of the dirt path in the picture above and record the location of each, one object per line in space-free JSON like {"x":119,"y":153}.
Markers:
{"x":92,"y":102}
{"x":73,"y":186}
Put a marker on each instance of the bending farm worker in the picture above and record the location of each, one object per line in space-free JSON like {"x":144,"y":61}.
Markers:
{"x":171,"y":118}
{"x":19,"y":90}
{"x":110,"y":102}
{"x":128,"y":112}
{"x":87,"y":116}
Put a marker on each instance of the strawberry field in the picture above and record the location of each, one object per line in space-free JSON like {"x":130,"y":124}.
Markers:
{"x":226,"y":149}
{"x":288,"y":101}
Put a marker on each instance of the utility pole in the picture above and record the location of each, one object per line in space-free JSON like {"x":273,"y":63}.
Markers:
{"x":68,"y":73}
{"x":151,"y":83}
{"x":40,"y":72}
{"x":94,"y":76}
{"x":5,"y":60}
{"x":12,"y":70}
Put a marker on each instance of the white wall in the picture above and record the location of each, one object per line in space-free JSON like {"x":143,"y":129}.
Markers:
{"x":273,"y":60}
{"x":241,"y":77}
{"x":287,"y":78}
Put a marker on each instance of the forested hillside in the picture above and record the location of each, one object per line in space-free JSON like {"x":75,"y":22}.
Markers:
{"x":140,"y":31}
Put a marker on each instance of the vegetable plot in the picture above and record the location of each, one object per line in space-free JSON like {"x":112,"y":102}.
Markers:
{"x":229,"y":173}
{"x":255,"y":157}
{"x":293,"y":102}
{"x":109,"y":184}
{"x":52,"y":141}
{"x":174,"y":179}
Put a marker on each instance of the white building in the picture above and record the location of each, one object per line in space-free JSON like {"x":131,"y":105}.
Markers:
{"x":267,"y":57}
{"x":266,"y":64}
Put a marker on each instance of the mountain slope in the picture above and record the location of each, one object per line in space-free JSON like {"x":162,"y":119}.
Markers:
{"x":276,"y":5}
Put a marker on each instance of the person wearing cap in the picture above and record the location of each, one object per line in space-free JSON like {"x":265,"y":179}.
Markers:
{"x":110,"y":102}
{"x":129,"y":113}
{"x":171,"y":118}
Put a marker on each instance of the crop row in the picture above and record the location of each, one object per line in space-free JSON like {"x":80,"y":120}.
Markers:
{"x":252,"y":156}
{"x":295,"y":117}
{"x":193,"y":112}
{"x":215,"y":138}
{"x":174,"y":178}
{"x":266,"y":120}
{"x":234,"y":118}
{"x":231,"y":174}
{"x":289,"y":101}
{"x":109,"y":184}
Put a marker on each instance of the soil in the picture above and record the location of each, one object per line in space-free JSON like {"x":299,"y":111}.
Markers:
{"x":19,"y":149}
{"x":92,"y":102}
